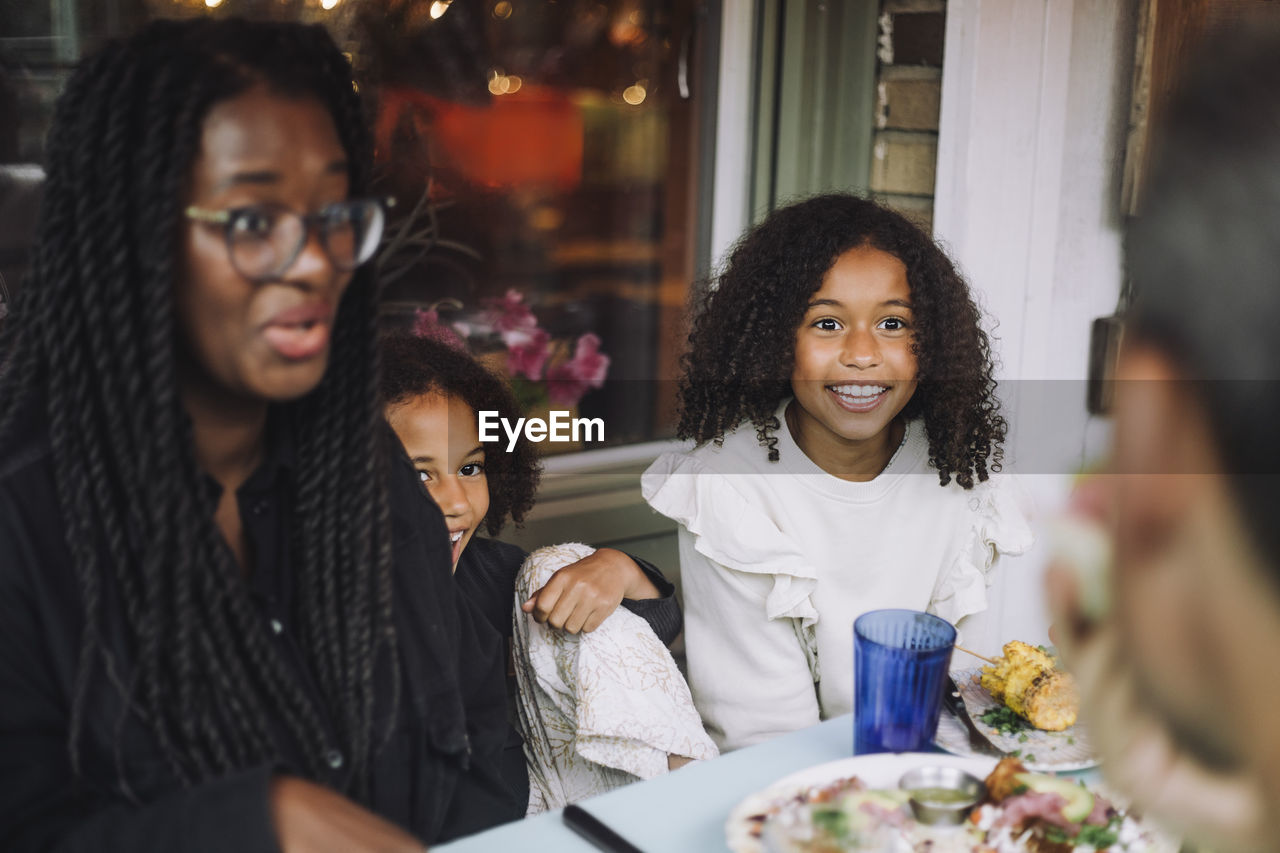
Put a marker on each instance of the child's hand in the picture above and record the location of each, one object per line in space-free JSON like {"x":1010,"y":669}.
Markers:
{"x":581,"y":596}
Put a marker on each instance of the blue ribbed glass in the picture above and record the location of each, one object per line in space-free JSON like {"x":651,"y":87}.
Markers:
{"x":900,"y":662}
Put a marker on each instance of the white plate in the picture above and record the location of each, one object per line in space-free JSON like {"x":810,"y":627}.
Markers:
{"x":1069,"y":749}
{"x":882,"y":770}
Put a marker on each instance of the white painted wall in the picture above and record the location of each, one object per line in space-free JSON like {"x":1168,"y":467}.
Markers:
{"x":1035,"y":99}
{"x":734,"y":130}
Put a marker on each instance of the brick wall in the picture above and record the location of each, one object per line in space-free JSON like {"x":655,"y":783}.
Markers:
{"x":909,"y":87}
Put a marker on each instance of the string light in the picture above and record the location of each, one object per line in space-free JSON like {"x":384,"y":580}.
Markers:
{"x":439,"y":7}
{"x":503,"y":84}
{"x":635,"y":93}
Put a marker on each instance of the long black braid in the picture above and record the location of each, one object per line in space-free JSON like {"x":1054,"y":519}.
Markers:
{"x":92,"y":342}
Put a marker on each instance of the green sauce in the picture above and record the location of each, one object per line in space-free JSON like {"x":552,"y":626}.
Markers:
{"x":940,"y":796}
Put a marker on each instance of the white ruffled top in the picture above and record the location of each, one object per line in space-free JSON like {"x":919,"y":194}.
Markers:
{"x":778,"y":558}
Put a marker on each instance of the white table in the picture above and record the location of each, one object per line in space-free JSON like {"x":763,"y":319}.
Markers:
{"x":681,"y":811}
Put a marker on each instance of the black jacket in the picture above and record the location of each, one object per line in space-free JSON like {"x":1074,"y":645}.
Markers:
{"x":438,"y":774}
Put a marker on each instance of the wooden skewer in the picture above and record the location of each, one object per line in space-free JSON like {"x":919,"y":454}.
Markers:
{"x":976,"y":655}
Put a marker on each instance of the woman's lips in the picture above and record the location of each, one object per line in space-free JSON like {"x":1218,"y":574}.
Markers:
{"x":455,"y":542}
{"x":300,"y":333}
{"x":858,"y":398}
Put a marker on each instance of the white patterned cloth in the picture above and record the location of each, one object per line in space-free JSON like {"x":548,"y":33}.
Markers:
{"x":597,"y":710}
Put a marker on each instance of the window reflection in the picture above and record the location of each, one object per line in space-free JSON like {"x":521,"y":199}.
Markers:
{"x":536,"y":148}
{"x":543,"y":135}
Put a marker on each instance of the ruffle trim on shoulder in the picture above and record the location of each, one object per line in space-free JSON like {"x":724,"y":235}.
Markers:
{"x":998,"y":527}
{"x":731,"y":531}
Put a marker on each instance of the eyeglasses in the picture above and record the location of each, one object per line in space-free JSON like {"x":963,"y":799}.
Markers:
{"x":264,"y":240}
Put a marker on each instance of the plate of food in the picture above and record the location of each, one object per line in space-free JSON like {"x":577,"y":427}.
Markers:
{"x":857,"y":804}
{"x":1026,"y":706}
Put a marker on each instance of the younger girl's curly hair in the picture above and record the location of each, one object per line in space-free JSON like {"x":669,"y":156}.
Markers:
{"x":742,"y":347}
{"x":417,"y":366}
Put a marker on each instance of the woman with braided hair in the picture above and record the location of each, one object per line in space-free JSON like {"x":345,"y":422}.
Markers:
{"x":229,"y":622}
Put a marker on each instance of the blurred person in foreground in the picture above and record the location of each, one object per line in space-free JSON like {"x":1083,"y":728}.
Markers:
{"x":1179,"y":658}
{"x":227,"y":618}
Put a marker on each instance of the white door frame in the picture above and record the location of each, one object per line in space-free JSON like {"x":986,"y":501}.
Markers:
{"x":1035,"y":98}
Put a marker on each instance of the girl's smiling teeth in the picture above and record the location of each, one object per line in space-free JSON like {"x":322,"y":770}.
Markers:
{"x":858,"y":390}
{"x":858,"y":398}
{"x":456,"y":543}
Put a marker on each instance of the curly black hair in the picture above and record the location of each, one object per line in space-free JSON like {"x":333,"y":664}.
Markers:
{"x":91,"y":354}
{"x":417,"y":366}
{"x":742,"y":346}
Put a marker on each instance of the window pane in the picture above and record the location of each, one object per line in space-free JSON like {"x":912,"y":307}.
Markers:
{"x":542,"y":150}
{"x":559,"y":156}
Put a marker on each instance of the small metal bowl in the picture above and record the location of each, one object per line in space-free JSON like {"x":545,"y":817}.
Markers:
{"x":963,"y":792}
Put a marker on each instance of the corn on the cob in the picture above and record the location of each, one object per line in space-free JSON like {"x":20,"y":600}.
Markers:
{"x":1027,"y":681}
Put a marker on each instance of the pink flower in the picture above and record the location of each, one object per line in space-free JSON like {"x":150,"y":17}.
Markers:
{"x":567,"y":382}
{"x":426,"y":324}
{"x":529,"y":358}
{"x":588,"y":363}
{"x":511,"y":319}
{"x":529,"y":347}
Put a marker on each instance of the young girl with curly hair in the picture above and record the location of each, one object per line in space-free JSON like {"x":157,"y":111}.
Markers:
{"x":839,"y":388}
{"x":599,"y":700}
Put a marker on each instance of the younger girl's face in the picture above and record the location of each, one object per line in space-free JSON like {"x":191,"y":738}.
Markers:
{"x":854,"y":367}
{"x":442,"y":439}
